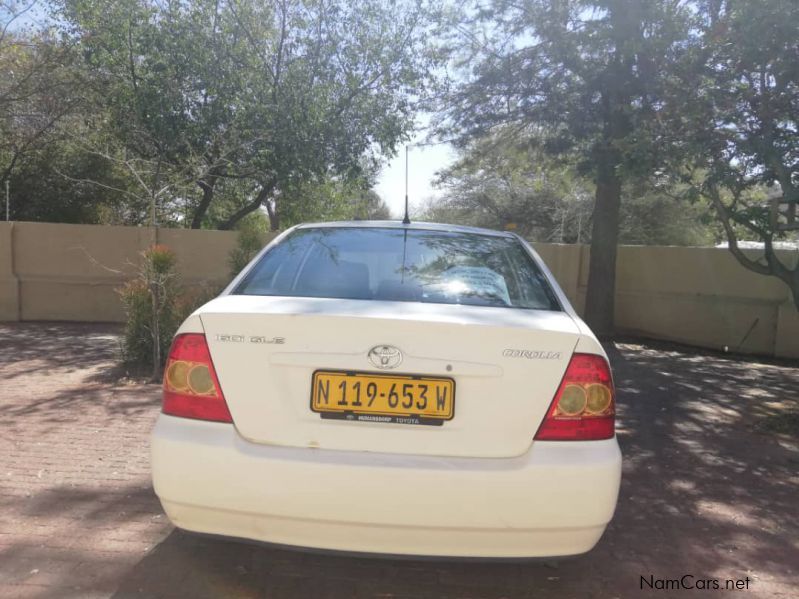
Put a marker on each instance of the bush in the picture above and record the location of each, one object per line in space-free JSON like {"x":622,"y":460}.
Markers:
{"x":252,"y":237}
{"x":155,"y":305}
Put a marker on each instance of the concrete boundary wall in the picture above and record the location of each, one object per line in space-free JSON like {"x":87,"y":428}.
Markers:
{"x":71,"y":272}
{"x":700,"y":296}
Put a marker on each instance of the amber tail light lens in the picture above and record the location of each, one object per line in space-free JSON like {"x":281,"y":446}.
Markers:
{"x":191,"y":389}
{"x":584,"y":408}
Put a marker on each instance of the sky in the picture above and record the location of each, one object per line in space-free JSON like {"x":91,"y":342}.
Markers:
{"x":423,"y":162}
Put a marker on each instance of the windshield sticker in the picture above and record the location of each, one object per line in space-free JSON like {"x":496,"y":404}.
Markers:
{"x":476,"y":280}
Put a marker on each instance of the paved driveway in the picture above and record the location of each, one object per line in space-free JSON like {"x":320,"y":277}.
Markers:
{"x":706,"y":492}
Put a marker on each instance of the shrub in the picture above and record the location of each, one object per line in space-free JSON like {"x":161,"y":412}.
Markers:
{"x":154,"y":310}
{"x":191,"y":298}
{"x":252,"y":237}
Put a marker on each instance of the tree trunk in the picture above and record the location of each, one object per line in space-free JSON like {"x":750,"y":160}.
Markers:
{"x":600,"y":295}
{"x":259,"y":200}
{"x":773,"y":266}
{"x":274,"y":217}
{"x":156,"y":328}
{"x":207,"y":185}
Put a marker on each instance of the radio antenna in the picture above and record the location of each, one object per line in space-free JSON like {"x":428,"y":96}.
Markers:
{"x":406,"y":220}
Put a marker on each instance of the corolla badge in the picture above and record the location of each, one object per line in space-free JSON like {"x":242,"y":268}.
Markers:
{"x":385,"y":356}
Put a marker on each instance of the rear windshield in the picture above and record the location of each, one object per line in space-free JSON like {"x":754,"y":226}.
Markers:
{"x":401,"y":265}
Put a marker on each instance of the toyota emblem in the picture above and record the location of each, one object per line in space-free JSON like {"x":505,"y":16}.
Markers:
{"x":385,"y":356}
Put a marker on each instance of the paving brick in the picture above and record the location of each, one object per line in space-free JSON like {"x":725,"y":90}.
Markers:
{"x":78,"y":517}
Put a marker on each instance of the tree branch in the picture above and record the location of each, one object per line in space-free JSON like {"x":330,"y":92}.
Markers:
{"x":260,"y":198}
{"x":773,"y":266}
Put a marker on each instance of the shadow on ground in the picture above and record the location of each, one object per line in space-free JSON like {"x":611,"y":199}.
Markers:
{"x":77,"y":367}
{"x":704,"y":494}
{"x":706,"y":491}
{"x":205,"y":567}
{"x":59,"y":347}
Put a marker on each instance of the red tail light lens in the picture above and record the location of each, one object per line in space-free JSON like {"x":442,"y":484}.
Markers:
{"x":584,"y":407}
{"x":191,"y":389}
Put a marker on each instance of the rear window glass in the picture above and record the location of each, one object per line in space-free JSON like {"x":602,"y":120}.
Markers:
{"x":401,"y":265}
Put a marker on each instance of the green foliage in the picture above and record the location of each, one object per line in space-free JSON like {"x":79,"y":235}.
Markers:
{"x":308,"y":202}
{"x":227,"y":107}
{"x":500,"y":183}
{"x":331,"y":199}
{"x":653,"y":217}
{"x":58,"y":183}
{"x":150,"y":307}
{"x":137,"y":345}
{"x":37,"y":92}
{"x":155,"y":305}
{"x":590,"y":79}
{"x":370,"y":206}
{"x":253,"y":231}
{"x":197,"y":114}
{"x":586,"y":78}
{"x":739,"y":113}
{"x":738,"y":122}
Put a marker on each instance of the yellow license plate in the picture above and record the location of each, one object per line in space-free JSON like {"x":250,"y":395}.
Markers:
{"x":372,"y":397}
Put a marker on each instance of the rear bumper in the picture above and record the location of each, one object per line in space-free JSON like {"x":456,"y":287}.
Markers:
{"x":555,"y":500}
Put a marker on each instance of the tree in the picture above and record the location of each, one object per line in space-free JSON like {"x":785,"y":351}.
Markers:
{"x":739,"y":118}
{"x":253,"y":98}
{"x":369,"y":205}
{"x":169,"y":78}
{"x":499,"y":182}
{"x":36,"y":89}
{"x":334,"y":199}
{"x":59,"y":183}
{"x":592,"y":75}
{"x":661,"y":216}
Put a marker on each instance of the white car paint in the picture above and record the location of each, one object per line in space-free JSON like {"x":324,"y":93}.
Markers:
{"x":476,"y":486}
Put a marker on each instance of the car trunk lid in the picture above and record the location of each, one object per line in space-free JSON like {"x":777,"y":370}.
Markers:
{"x":506,"y":364}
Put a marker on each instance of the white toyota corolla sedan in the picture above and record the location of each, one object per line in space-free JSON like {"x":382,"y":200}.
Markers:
{"x":399,"y":389}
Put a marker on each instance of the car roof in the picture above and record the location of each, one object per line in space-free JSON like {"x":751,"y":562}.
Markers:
{"x":414,"y":226}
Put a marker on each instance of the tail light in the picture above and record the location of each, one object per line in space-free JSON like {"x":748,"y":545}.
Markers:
{"x":584,"y":407}
{"x":191,"y":389}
